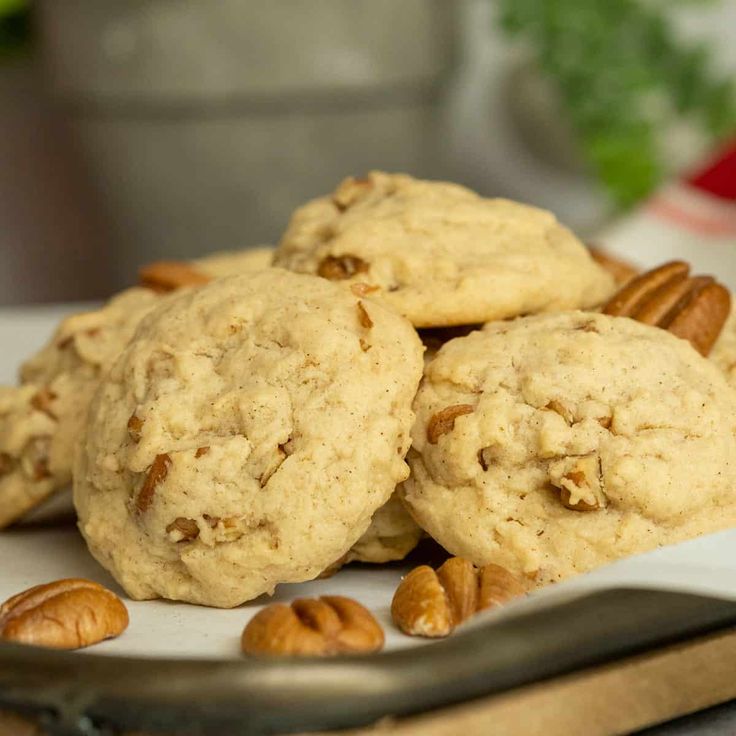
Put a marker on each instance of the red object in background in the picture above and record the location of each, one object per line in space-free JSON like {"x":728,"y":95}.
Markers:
{"x":719,"y":177}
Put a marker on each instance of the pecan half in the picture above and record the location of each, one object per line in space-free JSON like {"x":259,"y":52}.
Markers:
{"x":432,"y":604}
{"x":338,"y":268}
{"x":313,"y":627}
{"x":163,"y":276}
{"x":694,"y":308}
{"x":65,"y":614}
{"x":444,"y":421}
{"x":156,"y":474}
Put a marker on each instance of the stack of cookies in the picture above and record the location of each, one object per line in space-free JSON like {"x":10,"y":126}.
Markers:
{"x":412,"y":358}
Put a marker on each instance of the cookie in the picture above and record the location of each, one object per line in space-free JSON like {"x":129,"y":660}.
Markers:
{"x":556,"y":443}
{"x":41,"y":420}
{"x":26,"y":474}
{"x":440,"y":254}
{"x":245,"y":437}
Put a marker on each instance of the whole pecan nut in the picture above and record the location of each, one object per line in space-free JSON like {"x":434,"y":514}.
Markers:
{"x":64,"y":614}
{"x":432,"y":603}
{"x":694,"y":308}
{"x":313,"y":627}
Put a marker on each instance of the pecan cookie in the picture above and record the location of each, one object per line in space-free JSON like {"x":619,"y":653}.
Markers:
{"x":41,"y":420}
{"x":245,"y":437}
{"x":553,"y":444}
{"x":440,"y":254}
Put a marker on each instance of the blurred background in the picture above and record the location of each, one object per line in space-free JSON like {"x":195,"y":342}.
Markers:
{"x":132,"y":130}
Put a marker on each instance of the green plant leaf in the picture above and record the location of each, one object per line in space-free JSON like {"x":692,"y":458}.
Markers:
{"x":623,"y":77}
{"x":9,"y":7}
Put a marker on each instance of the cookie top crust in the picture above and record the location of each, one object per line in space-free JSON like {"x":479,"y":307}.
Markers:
{"x":245,"y":437}
{"x":556,"y":443}
{"x":440,"y":254}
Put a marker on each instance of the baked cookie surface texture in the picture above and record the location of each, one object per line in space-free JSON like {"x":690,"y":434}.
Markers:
{"x":245,"y":437}
{"x":441,"y":254}
{"x":554,"y":444}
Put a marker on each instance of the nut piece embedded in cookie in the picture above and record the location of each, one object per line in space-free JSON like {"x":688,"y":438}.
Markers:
{"x":65,"y":614}
{"x":432,"y":604}
{"x":444,"y":421}
{"x":580,"y":482}
{"x":337,"y":268}
{"x":694,"y":308}
{"x":316,"y":627}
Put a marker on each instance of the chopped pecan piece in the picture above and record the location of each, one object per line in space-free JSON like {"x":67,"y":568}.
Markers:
{"x":201,"y":451}
{"x":339,"y":268}
{"x":42,"y":399}
{"x":183,"y":530}
{"x":694,"y":308}
{"x":135,"y":425}
{"x":363,"y":317}
{"x":579,"y":480}
{"x":444,"y":421}
{"x":156,"y":474}
{"x":163,"y":276}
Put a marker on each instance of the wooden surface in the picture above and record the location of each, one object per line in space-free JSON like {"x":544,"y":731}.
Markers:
{"x":617,"y":698}
{"x":614,"y":699}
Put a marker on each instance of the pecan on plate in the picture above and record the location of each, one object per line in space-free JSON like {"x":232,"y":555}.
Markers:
{"x":432,"y":603}
{"x":314,"y":627}
{"x":64,"y":614}
{"x":694,"y":308}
